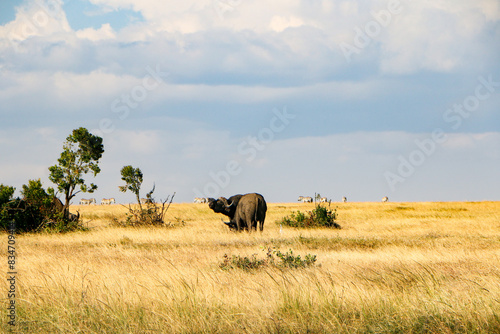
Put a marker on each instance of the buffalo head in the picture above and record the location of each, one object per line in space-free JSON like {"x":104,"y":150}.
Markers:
{"x":226,"y":206}
{"x":218,"y":205}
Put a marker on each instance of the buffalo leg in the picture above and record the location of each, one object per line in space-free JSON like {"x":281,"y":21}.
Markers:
{"x":239,"y":225}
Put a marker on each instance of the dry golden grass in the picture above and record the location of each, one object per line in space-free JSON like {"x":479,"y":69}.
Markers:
{"x":393,"y":267}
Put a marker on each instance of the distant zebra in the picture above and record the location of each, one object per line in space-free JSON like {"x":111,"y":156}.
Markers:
{"x":344,"y":199}
{"x":200,"y":200}
{"x":89,"y":201}
{"x":385,"y":199}
{"x":323,"y":200}
{"x":108,"y":201}
{"x":305,"y":199}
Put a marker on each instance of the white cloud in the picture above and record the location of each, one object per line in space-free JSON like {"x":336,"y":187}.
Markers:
{"x":280,"y":23}
{"x":105,"y":32}
{"x":252,"y":39}
{"x":438,"y":36}
{"x":64,"y":93}
{"x":145,"y":142}
{"x":36,"y":19}
{"x":172,"y":15}
{"x":483,"y":144}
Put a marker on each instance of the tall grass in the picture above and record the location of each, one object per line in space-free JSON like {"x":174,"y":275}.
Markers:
{"x":427,"y":268}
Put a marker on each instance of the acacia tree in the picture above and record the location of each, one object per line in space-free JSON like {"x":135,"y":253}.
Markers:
{"x":81,"y":153}
{"x":133,"y":179}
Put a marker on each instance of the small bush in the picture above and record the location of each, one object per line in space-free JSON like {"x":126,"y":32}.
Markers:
{"x":291,"y":261}
{"x":244,"y":263}
{"x":151,"y":214}
{"x":319,"y":217}
{"x":296,"y":219}
{"x":62,"y":225}
{"x":273,"y":258}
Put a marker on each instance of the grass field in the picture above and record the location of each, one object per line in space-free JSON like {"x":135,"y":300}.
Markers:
{"x":392,"y":268}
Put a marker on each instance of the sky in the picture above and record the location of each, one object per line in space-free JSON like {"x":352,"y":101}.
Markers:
{"x":288,"y":98}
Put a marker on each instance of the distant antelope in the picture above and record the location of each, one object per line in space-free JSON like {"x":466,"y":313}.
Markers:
{"x":305,"y":199}
{"x":385,"y":199}
{"x":200,"y":200}
{"x":344,"y":199}
{"x":108,"y":201}
{"x":323,"y":200}
{"x":89,"y":201}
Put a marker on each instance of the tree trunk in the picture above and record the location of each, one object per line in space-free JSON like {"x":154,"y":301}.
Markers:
{"x":139,"y":201}
{"x":68,"y":197}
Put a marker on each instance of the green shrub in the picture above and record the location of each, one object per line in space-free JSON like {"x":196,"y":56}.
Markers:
{"x":244,"y":263}
{"x":36,"y":211}
{"x":6,"y":193}
{"x":36,"y":196}
{"x":296,"y":219}
{"x":15,"y":213}
{"x":320,"y":216}
{"x":18,"y":215}
{"x":274,"y":258}
{"x":291,"y":261}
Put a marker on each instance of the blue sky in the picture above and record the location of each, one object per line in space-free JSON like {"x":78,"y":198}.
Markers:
{"x":83,"y":14}
{"x":217,"y":97}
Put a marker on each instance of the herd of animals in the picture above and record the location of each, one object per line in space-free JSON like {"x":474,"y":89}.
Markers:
{"x":245,"y":212}
{"x":104,"y":201}
{"x":304,"y":199}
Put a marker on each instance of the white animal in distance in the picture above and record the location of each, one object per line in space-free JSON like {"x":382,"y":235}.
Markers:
{"x":108,"y":201}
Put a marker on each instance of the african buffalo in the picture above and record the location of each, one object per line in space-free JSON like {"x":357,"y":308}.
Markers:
{"x":245,"y":211}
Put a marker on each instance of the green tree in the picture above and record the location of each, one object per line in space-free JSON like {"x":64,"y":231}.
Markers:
{"x":6,"y":193}
{"x":81,"y":153}
{"x":133,"y":179}
{"x":37,"y":196}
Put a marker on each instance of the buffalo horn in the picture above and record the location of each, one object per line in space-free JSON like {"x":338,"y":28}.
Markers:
{"x":226,"y":203}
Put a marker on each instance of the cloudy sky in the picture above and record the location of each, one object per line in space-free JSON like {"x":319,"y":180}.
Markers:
{"x":352,"y":98}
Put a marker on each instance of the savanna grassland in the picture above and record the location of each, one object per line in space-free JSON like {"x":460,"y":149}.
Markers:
{"x":392,"y":268}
